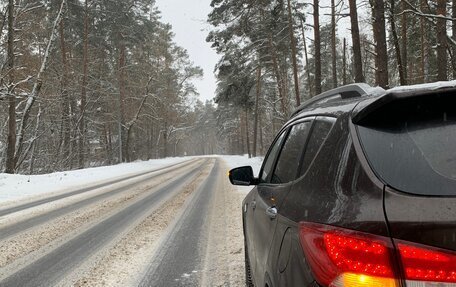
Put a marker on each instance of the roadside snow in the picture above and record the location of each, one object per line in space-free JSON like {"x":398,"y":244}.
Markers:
{"x":20,"y":187}
{"x":238,"y":161}
{"x":17,"y":187}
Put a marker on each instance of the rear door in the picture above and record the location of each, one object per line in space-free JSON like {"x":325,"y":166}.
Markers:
{"x":273,"y":189}
{"x":410,"y":144}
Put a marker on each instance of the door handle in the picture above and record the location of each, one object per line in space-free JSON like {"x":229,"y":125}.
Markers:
{"x":253,"y":204}
{"x":272,"y":212}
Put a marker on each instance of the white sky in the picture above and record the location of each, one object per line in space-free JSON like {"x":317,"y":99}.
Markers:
{"x":188,"y":18}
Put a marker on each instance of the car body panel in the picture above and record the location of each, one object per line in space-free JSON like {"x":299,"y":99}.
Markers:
{"x":248,"y":213}
{"x":268,"y":196}
{"x":422,"y":219}
{"x":338,"y":191}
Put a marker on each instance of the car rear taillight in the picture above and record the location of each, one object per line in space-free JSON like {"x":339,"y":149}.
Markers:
{"x":427,"y":266}
{"x":344,"y":258}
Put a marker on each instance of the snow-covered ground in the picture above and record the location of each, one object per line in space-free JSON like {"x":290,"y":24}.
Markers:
{"x":130,"y":249}
{"x":17,"y":187}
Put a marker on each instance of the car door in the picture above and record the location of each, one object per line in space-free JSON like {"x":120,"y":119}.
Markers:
{"x":250,"y":203}
{"x":287,"y":266}
{"x":271,"y":191}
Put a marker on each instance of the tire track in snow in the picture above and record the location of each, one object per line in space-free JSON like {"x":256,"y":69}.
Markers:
{"x":52,"y":267}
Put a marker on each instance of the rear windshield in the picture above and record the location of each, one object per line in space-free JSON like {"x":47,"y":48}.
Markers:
{"x":411,"y":144}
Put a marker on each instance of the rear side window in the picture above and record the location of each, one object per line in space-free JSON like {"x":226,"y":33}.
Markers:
{"x":320,"y":132}
{"x":290,"y":156}
{"x":411,"y":145}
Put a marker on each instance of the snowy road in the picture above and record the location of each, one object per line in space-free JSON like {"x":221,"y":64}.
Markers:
{"x":175,"y":226}
{"x":6,"y":211}
{"x":180,"y":257}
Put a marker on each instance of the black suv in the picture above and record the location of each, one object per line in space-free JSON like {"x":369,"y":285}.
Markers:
{"x":358,"y":189}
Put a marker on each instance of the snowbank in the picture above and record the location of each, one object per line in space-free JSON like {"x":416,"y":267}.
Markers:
{"x":21,"y":187}
{"x":17,"y":187}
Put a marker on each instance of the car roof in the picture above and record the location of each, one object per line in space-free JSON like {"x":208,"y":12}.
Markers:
{"x":369,"y":106}
{"x":337,"y":101}
{"x":360,"y":99}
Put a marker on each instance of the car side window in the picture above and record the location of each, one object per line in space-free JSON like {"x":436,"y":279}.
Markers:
{"x":288,"y":163}
{"x":270,"y":159}
{"x":320,"y":132}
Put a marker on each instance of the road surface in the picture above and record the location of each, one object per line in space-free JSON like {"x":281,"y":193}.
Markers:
{"x":175,"y":226}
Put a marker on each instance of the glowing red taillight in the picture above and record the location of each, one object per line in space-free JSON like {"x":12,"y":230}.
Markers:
{"x":423,"y":263}
{"x":344,"y":258}
{"x":357,"y":254}
{"x":340,"y":257}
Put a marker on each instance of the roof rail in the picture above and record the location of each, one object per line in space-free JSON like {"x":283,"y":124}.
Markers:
{"x":344,"y":92}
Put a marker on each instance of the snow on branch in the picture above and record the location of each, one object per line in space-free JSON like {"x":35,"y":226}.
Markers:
{"x":38,"y":82}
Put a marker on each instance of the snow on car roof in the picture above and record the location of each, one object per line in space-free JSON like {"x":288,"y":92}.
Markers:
{"x":428,"y":86}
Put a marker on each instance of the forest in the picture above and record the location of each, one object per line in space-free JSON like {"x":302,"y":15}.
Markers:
{"x":94,"y":82}
{"x":275,"y":54}
{"x":97,"y":82}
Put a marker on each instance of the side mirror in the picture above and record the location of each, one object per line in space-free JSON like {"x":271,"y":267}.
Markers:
{"x":242,"y":176}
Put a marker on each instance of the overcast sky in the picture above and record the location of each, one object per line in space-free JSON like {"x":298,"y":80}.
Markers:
{"x":188,"y":18}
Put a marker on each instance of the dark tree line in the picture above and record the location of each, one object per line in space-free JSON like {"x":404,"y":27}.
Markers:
{"x":277,"y":53}
{"x":94,"y":82}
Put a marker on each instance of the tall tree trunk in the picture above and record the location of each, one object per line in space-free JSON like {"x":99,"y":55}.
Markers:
{"x":37,"y":85}
{"x":165,"y":141}
{"x":317,"y":45}
{"x":32,"y":141}
{"x":276,"y":68}
{"x":293,"y":55}
{"x":279,"y":78}
{"x":381,"y":52}
{"x":32,"y":159}
{"x":241,"y":133}
{"x":257,"y":100}
{"x":127,"y":143}
{"x":65,"y":101}
{"x":306,"y":56}
{"x":261,"y":136}
{"x":359,"y":76}
{"x":10,"y":148}
{"x":85,"y":59}
{"x":404,"y":49}
{"x":121,"y":116}
{"x":453,"y":35}
{"x":131,"y":123}
{"x":442,"y":57}
{"x":344,"y":63}
{"x":333,"y":43}
{"x":423,"y":43}
{"x":397,"y":48}
{"x":247,"y":136}
{"x":108,"y":144}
